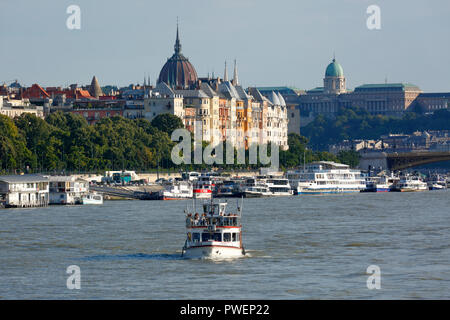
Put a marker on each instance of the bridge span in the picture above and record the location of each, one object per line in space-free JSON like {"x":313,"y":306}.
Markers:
{"x":400,"y":161}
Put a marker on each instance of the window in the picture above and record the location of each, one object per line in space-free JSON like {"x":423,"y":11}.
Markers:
{"x":227,"y":237}
{"x":205,"y":236}
{"x":195,"y":236}
{"x":235,"y":236}
{"x":217,"y":236}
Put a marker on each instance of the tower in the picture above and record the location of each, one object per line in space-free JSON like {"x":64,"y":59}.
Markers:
{"x":334,"y":81}
{"x":235,"y":75}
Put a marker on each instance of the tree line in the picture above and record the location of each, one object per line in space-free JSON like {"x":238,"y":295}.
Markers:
{"x":356,"y":123}
{"x":66,"y":143}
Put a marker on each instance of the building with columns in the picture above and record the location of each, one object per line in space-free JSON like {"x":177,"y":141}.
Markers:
{"x":389,"y":99}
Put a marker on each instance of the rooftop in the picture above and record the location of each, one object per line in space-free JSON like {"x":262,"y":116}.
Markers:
{"x":23,"y":178}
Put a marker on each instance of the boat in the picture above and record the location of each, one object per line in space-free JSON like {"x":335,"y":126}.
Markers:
{"x":437,"y":182}
{"x":203,"y":187}
{"x":410,"y":183}
{"x":326,"y":177}
{"x":92,"y":198}
{"x":279,"y":186}
{"x":382,"y":183}
{"x":437,"y":186}
{"x":215,"y":234}
{"x":257,"y":192}
{"x":177,"y":191}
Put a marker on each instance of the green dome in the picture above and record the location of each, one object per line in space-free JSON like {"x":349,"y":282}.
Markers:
{"x":334,"y":69}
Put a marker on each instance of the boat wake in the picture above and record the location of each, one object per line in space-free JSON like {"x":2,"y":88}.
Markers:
{"x":136,"y":256}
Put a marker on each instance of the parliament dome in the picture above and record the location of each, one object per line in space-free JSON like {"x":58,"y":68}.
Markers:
{"x":178,"y":72}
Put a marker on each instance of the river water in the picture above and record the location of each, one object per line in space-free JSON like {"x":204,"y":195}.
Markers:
{"x":300,"y":247}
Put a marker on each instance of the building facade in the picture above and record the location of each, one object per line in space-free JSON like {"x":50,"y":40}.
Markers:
{"x":389,"y":99}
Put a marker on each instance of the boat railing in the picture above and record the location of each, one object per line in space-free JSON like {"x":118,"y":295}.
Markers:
{"x":216,"y":221}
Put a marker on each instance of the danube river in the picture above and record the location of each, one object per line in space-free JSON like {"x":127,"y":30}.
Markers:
{"x":304,"y":247}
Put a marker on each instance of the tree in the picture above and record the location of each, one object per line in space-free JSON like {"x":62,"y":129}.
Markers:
{"x":167,"y":122}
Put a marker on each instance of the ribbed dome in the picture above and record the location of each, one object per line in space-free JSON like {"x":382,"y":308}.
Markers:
{"x":334,"y":69}
{"x":178,"y":71}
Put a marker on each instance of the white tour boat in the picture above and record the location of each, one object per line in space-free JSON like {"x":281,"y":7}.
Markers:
{"x":214,"y":234}
{"x":179,"y":190}
{"x":410,"y":183}
{"x":92,"y":198}
{"x":325,"y":177}
{"x":203,"y":187}
{"x":279,"y":186}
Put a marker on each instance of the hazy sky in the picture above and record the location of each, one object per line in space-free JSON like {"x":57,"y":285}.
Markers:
{"x":276,"y":42}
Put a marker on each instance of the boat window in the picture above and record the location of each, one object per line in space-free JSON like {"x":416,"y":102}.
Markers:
{"x":205,"y":236}
{"x":196,"y":236}
{"x":217,"y":236}
{"x":227,"y":237}
{"x":234,"y":236}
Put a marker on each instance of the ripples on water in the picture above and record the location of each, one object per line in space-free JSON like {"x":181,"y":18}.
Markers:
{"x":315,"y":247}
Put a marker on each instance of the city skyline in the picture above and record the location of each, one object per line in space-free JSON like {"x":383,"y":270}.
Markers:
{"x":286,"y":43}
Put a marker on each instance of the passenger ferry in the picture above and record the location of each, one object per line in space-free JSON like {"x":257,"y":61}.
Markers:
{"x":257,"y":192}
{"x":324,"y":177}
{"x":383,"y":183}
{"x":179,"y":190}
{"x":279,"y":186}
{"x":409,"y":183}
{"x":214,"y":234}
{"x":203,"y":187}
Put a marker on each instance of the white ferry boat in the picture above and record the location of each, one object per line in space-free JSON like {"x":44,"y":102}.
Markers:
{"x":214,"y":234}
{"x":257,"y":192}
{"x":325,"y":177}
{"x":382,"y":183}
{"x":92,"y":198}
{"x":410,"y":183}
{"x":255,"y":187}
{"x":179,"y":190}
{"x":203,"y":187}
{"x":279,"y":186}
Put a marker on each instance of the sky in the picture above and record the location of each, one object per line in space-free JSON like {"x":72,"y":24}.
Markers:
{"x":275,"y":43}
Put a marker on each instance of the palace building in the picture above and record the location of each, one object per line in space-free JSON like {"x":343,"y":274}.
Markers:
{"x":390,"y":99}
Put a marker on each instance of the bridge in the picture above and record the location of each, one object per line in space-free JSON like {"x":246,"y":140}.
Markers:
{"x":400,"y":161}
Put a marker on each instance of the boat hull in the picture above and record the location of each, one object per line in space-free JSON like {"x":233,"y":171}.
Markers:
{"x":327,"y":191}
{"x":213,"y":252}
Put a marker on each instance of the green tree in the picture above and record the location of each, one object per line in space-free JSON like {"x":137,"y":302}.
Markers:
{"x":167,"y":122}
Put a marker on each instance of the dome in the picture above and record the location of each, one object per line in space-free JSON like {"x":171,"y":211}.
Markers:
{"x":334,"y":69}
{"x":178,"y":71}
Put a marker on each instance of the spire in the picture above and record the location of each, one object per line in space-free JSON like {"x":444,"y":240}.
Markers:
{"x":177,"y":42}
{"x":145,"y":82}
{"x":225,"y":74}
{"x":148,"y":80}
{"x":235,"y":75}
{"x":94,"y":89}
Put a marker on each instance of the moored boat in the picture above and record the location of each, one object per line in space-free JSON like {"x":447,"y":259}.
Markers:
{"x":177,"y":191}
{"x":92,"y":198}
{"x":409,"y":183}
{"x":324,"y":177}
